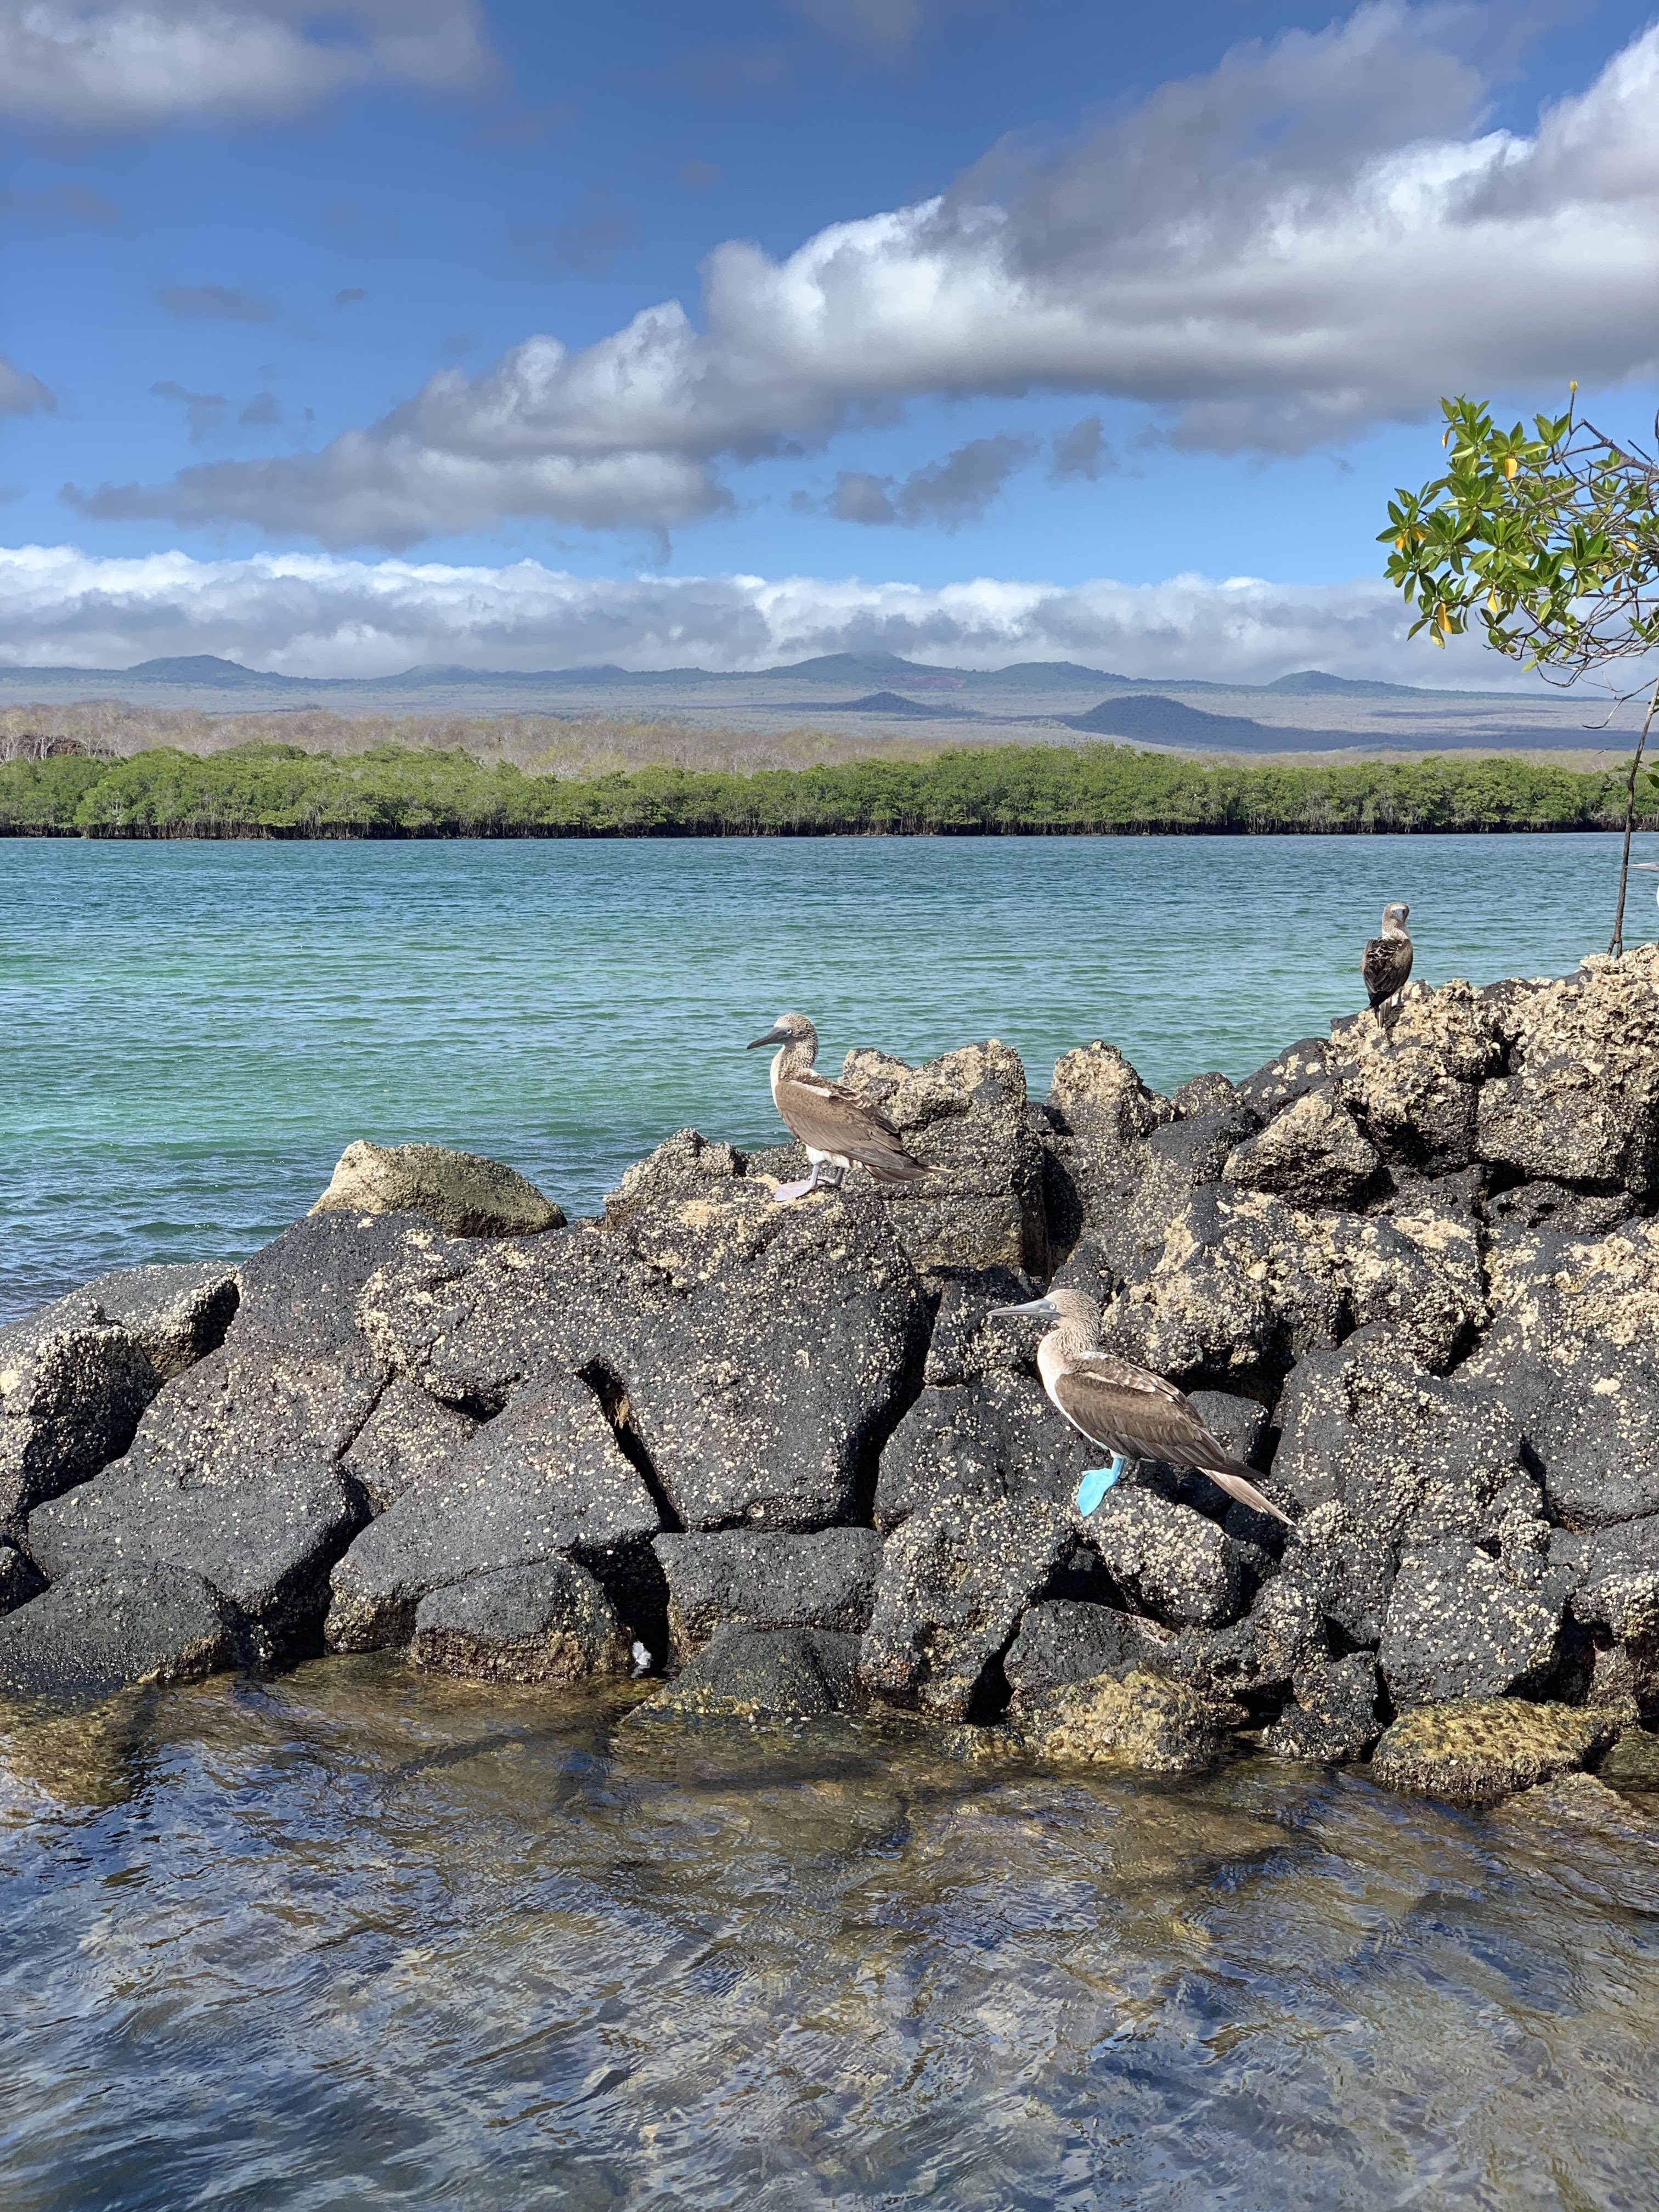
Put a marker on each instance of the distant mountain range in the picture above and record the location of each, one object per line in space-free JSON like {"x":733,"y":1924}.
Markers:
{"x":890,"y":675}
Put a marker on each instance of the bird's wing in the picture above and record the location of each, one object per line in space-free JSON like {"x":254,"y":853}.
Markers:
{"x":1128,"y":1409}
{"x":833,"y":1119}
{"x":1385,"y":966}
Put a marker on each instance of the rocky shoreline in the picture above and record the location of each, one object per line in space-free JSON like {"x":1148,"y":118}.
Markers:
{"x":1410,"y":1273}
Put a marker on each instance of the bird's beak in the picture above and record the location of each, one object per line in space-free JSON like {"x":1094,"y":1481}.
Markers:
{"x":1037,"y":1309}
{"x":772,"y":1037}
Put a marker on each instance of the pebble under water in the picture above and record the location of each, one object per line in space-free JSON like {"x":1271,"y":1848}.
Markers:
{"x":349,"y":1938}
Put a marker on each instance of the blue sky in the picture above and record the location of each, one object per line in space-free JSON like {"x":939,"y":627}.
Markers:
{"x":1195,"y":280}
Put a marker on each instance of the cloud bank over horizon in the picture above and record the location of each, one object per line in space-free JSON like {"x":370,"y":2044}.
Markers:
{"x":318,"y":615}
{"x":1317,"y":236}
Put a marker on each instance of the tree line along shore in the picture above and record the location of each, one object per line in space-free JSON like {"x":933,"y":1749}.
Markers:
{"x":271,"y":790}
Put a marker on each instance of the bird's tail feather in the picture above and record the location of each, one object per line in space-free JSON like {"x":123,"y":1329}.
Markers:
{"x":1234,"y":1478}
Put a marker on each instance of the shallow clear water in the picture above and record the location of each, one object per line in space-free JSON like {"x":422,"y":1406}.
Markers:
{"x":194,"y":1032}
{"x":347,"y":1939}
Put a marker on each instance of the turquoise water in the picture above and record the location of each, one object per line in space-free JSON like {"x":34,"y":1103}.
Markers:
{"x":194,"y":1032}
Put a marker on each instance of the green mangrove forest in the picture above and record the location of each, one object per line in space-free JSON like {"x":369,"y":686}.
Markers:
{"x":393,"y":791}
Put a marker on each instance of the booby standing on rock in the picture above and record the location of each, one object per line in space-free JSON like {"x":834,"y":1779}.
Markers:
{"x":838,"y":1129}
{"x":1126,"y":1410}
{"x":1386,"y":963}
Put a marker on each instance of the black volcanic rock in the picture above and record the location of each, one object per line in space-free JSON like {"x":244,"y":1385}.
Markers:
{"x":90,"y":1634}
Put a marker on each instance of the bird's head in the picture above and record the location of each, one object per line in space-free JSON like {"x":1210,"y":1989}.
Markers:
{"x":1394,"y":914}
{"x":788,"y":1029}
{"x":1071,"y":1309}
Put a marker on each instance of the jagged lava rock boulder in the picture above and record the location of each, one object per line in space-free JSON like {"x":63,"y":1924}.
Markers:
{"x":407,"y":1435}
{"x":545,"y":1479}
{"x":1580,"y":1103}
{"x":954,"y":1580}
{"x":90,"y":1634}
{"x":233,"y":1473}
{"x":72,"y":1389}
{"x":1065,"y":1640}
{"x":761,"y":1579}
{"x":965,"y":1116}
{"x":1332,"y":1716}
{"x":1478,"y":1749}
{"x":753,"y":1354}
{"x":1313,"y":1154}
{"x":548,"y":1623}
{"x":461,"y":1191}
{"x":178,"y":1313}
{"x":1573,"y":1352}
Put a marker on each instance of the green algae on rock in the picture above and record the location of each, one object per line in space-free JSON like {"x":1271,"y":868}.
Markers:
{"x":1478,"y":1749}
{"x":1142,"y":1721}
{"x":461,"y":1191}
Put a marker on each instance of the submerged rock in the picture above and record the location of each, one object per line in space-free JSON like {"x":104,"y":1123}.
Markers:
{"x":1142,"y":1720}
{"x":547,"y":1623}
{"x":762,"y":1674}
{"x":461,"y":1191}
{"x":1478,"y":1749}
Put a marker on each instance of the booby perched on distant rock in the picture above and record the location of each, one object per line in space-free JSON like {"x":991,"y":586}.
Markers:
{"x":1127,"y":1410}
{"x":1386,"y":963}
{"x":837,"y":1128}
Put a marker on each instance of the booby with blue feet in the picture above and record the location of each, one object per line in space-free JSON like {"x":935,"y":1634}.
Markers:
{"x":1126,"y":1410}
{"x":839,"y":1129}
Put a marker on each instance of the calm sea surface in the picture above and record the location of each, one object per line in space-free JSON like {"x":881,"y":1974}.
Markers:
{"x":192,"y":1033}
{"x":348,"y":1939}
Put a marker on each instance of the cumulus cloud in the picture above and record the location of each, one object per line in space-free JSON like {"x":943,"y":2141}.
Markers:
{"x":214,"y":303}
{"x":320,"y":614}
{"x":947,"y":493}
{"x":1316,"y":236}
{"x":21,"y":393}
{"x":122,"y":65}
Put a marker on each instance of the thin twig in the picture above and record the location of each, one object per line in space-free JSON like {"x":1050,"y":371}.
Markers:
{"x":1616,"y":948}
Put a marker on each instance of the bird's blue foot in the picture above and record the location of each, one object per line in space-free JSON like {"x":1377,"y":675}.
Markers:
{"x":1097,"y":1481}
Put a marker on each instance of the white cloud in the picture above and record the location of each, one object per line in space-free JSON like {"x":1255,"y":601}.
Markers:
{"x":121,"y":64}
{"x":1314,"y":237}
{"x":21,"y":393}
{"x":318,"y":615}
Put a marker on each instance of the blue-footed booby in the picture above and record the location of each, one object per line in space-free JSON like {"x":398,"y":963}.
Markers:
{"x":1386,"y":963}
{"x":1126,"y":1410}
{"x":837,"y":1128}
